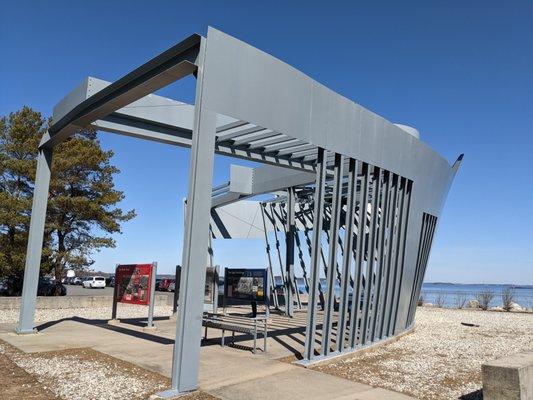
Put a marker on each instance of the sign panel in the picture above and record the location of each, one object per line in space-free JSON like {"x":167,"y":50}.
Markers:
{"x":132,"y":283}
{"x":246,"y":284}
{"x":211,"y":284}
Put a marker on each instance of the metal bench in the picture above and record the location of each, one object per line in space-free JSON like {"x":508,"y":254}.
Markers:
{"x":250,"y":326}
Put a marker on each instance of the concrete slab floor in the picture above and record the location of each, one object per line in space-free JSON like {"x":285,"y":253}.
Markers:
{"x":226,"y":372}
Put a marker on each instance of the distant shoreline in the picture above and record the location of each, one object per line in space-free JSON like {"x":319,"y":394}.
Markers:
{"x":514,"y":285}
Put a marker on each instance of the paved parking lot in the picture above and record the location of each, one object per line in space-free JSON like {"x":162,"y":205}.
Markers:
{"x":78,"y":290}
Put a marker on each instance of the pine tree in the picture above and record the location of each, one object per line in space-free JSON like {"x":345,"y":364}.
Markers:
{"x":82,"y":206}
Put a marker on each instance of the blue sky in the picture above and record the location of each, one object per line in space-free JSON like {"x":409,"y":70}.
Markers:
{"x":461,"y":72}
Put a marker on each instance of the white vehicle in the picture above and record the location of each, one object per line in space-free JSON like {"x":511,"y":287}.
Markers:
{"x":94,"y":282}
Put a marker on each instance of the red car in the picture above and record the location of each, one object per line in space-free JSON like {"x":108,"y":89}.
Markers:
{"x":164,"y":284}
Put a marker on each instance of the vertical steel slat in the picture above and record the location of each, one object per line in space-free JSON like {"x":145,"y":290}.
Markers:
{"x":289,"y":254}
{"x":322,"y":258}
{"x":309,"y":248}
{"x":363,"y":200}
{"x":396,"y":262}
{"x":421,"y":241}
{"x":394,"y":255}
{"x":433,"y":224}
{"x":310,"y":330}
{"x":336,"y":205}
{"x":390,"y":257}
{"x":337,"y":269}
{"x":278,"y":251}
{"x":406,"y":203}
{"x":270,"y":271}
{"x":289,"y":279}
{"x":422,"y":245}
{"x":347,"y":253}
{"x":302,"y":261}
{"x":381,"y":255}
{"x":370,"y":257}
{"x":421,"y":262}
{"x":386,"y":252}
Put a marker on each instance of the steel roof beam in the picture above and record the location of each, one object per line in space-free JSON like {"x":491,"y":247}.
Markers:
{"x":167,"y":67}
{"x":300,"y":147}
{"x":231,"y":125}
{"x":239,"y":132}
{"x":274,"y":148}
{"x":174,"y":136}
{"x":244,"y":140}
{"x":262,"y":143}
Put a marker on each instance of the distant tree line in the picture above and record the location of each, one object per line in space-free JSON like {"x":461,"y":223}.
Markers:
{"x":82,"y":211}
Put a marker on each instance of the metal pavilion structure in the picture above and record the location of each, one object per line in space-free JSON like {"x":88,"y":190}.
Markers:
{"x":375,"y":190}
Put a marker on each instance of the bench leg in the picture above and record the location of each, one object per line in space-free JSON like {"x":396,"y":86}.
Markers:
{"x":255,"y":340}
{"x":205,"y":334}
{"x":222,"y":340}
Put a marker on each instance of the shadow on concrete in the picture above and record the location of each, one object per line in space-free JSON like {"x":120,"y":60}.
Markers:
{"x":102,"y":323}
{"x":286,"y":337}
{"x":477,"y":395}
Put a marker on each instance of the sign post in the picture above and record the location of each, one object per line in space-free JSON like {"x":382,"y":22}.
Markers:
{"x":210,"y":292}
{"x":114,"y":320}
{"x":177,"y":276}
{"x":151,"y":305}
{"x":135,"y":284}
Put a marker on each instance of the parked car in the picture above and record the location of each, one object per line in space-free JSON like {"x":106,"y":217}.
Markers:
{"x":72,"y":281}
{"x":172,"y":286}
{"x":48,"y":287}
{"x":3,"y":287}
{"x":77,"y":280}
{"x":165,"y":283}
{"x":110,"y":281}
{"x":94,"y":282}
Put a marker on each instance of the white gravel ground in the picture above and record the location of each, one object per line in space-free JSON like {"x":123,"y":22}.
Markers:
{"x":441,"y":359}
{"x":123,"y":311}
{"x":79,"y":377}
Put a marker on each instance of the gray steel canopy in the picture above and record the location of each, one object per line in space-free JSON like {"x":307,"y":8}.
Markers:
{"x":253,"y":106}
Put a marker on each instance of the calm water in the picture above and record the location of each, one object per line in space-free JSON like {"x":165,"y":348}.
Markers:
{"x":523,"y":294}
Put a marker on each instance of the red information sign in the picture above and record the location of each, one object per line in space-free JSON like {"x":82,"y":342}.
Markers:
{"x":132,"y":283}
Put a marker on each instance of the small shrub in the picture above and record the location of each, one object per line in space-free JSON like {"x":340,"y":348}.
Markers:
{"x":508,"y":298}
{"x":460,"y":300}
{"x":440,"y":300}
{"x":484,"y":298}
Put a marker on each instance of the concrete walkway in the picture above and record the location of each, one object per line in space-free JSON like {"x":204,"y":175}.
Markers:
{"x":225,"y":372}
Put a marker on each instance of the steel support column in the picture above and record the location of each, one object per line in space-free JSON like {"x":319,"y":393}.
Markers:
{"x":35,"y":242}
{"x":336,"y":205}
{"x":186,"y":355}
{"x":320,"y":186}
{"x":289,"y":254}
